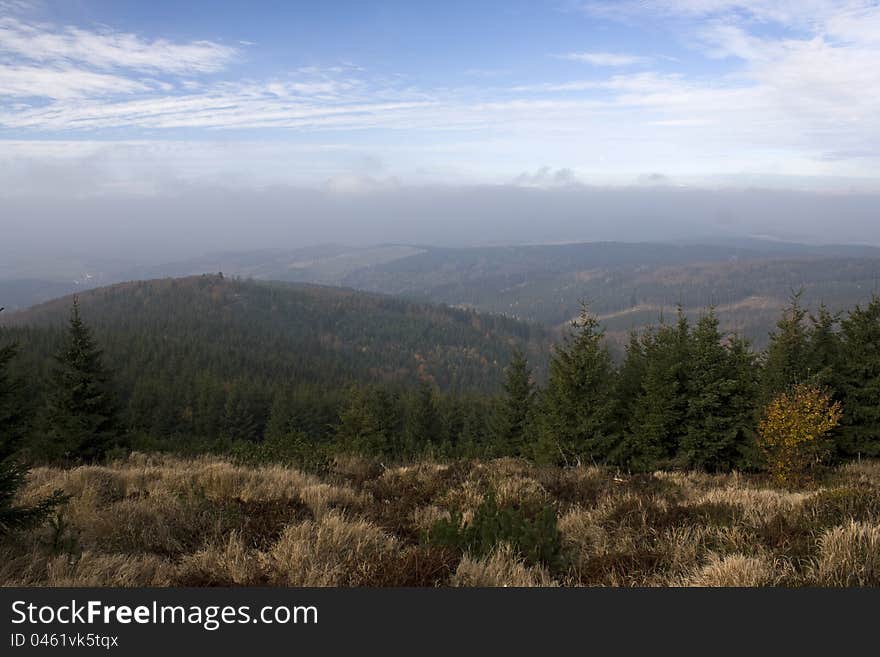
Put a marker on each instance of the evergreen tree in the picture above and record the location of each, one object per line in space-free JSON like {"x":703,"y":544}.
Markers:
{"x":81,"y":415}
{"x":722,"y":390}
{"x":659,"y":415}
{"x":423,"y":426}
{"x":786,"y":360}
{"x":13,"y":472}
{"x":574,"y":421}
{"x":513,"y":415}
{"x":239,"y":422}
{"x":359,"y":429}
{"x":860,"y":381}
{"x":628,"y":389}
{"x":825,"y":351}
{"x":280,"y":422}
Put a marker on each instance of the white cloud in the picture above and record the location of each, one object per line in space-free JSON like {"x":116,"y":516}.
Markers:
{"x":798,"y":99}
{"x":109,"y":49}
{"x":605,"y":58}
{"x":61,"y":83}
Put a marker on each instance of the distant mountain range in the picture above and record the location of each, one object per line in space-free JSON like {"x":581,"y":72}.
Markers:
{"x":283,"y":333}
{"x":627,"y":284}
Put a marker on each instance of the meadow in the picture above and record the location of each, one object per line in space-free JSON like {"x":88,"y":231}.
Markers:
{"x":157,"y":520}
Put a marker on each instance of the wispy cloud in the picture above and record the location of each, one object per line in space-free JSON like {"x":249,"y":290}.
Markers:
{"x":108,"y":49}
{"x":605,"y":58}
{"x":63,"y":83}
{"x":788,"y":97}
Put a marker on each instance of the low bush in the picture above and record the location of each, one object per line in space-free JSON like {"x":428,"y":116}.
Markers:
{"x":534,"y":537}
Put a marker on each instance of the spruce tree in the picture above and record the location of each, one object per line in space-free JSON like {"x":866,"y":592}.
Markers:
{"x":81,"y":416}
{"x":423,"y":424}
{"x":722,"y":390}
{"x":360,"y":429}
{"x":860,"y":381}
{"x":13,"y":471}
{"x":576,"y":409}
{"x":239,"y":423}
{"x":628,"y":390}
{"x":660,"y":413}
{"x":513,"y":415}
{"x":786,"y":360}
{"x":825,"y":350}
{"x":280,"y":422}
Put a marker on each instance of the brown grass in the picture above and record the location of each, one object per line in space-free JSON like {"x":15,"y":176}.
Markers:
{"x":162,"y":521}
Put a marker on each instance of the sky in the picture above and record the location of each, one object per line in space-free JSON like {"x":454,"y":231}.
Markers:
{"x":123,"y":99}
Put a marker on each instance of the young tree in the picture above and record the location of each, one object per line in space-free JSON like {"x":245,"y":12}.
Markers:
{"x":860,"y":380}
{"x":13,"y":471}
{"x":791,"y":430}
{"x":423,"y":424}
{"x":359,"y":429}
{"x":513,"y":416}
{"x":825,"y":350}
{"x":786,"y":360}
{"x":82,"y":416}
{"x":628,"y":390}
{"x":722,"y":391}
{"x":659,"y":415}
{"x":575,"y":413}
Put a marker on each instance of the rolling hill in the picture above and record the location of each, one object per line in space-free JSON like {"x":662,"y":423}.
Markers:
{"x":308,"y":332}
{"x":209,"y":356}
{"x":629,"y":285}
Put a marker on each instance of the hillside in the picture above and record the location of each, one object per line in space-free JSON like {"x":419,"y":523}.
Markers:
{"x":628,"y":284}
{"x":632,"y":285}
{"x":189,"y":354}
{"x":309,"y":332}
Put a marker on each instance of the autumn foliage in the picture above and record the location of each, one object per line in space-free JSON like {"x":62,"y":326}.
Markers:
{"x":791,"y":430}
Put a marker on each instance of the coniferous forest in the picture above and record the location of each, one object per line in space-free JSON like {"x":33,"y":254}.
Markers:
{"x":218,"y":431}
{"x":274,"y":371}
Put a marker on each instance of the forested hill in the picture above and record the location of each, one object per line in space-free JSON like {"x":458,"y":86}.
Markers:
{"x":232,"y":328}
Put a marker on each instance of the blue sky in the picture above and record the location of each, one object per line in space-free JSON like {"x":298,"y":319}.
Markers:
{"x":125,"y":97}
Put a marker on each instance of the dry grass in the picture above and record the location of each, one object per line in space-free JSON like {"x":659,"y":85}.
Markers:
{"x":162,"y":521}
{"x":849,"y":556}
{"x":501,"y":568}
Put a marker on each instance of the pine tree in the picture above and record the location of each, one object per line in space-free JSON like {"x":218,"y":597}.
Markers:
{"x":659,"y":415}
{"x":359,"y":428}
{"x":628,"y":390}
{"x":423,"y":426}
{"x":239,"y":422}
{"x":513,"y":415}
{"x":280,"y":421}
{"x":786,"y":359}
{"x":576,"y":409}
{"x":13,"y":472}
{"x":860,"y":381}
{"x":825,"y":351}
{"x":81,"y":416}
{"x":722,"y":390}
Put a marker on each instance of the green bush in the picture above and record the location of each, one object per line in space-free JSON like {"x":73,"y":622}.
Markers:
{"x":836,"y":506}
{"x":534,"y":536}
{"x":294,"y":449}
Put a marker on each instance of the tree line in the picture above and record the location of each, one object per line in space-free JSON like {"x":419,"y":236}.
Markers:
{"x":687,"y":396}
{"x":684,"y":396}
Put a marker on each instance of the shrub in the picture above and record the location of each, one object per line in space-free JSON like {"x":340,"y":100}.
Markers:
{"x":294,"y":449}
{"x":535,"y":538}
{"x":791,"y":430}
